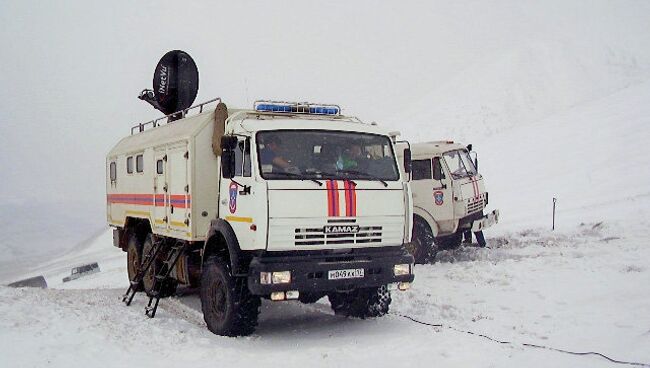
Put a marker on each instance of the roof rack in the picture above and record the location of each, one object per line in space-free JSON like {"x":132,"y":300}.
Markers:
{"x":171,"y":117}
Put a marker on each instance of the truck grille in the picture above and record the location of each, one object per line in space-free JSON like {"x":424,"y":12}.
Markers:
{"x":475,"y":204}
{"x":317,"y":236}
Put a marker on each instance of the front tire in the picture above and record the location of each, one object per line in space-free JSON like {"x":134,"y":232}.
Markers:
{"x":449,"y":241}
{"x":362,"y":303}
{"x":228,"y":307}
{"x":422,"y":248}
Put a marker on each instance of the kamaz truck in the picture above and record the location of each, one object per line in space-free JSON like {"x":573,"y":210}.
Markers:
{"x":282,"y":201}
{"x":449,"y":197}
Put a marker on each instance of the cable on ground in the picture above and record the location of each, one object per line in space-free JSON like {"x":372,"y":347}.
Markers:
{"x":536,"y":346}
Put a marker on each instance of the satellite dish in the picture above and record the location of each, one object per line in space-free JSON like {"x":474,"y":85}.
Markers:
{"x":175,"y":83}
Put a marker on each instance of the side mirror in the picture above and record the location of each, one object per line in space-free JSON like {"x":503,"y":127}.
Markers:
{"x":408,"y":163}
{"x":228,"y":144}
{"x":474,"y":158}
{"x":437,"y":169}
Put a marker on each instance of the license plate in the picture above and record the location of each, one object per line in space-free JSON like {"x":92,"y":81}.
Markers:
{"x":355,"y":273}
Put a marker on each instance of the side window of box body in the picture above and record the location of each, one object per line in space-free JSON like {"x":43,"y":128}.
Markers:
{"x":112,"y":171}
{"x":139,"y":163}
{"x":129,"y":165}
{"x":160,"y":167}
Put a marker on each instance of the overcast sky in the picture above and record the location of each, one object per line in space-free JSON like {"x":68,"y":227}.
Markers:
{"x":71,"y":70}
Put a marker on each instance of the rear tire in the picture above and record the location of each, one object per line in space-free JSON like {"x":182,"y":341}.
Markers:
{"x":229,"y":309}
{"x":134,"y":260}
{"x":362,"y":303}
{"x":169,"y":286}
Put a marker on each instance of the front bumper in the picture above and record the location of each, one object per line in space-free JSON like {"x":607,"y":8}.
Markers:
{"x":309,"y":270}
{"x":485,"y":221}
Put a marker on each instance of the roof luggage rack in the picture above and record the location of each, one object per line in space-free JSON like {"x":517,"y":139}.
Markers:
{"x":171,"y":117}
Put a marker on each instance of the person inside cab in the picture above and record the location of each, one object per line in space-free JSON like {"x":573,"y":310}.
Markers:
{"x":352,"y":159}
{"x":271,"y":155}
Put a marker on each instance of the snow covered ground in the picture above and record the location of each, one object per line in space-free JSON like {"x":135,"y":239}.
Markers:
{"x":583,"y":289}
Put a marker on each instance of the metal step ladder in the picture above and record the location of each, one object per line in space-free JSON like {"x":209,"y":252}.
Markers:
{"x":162,"y":277}
{"x":148,"y":261}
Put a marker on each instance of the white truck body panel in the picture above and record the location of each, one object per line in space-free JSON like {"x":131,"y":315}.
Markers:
{"x":143,"y":195}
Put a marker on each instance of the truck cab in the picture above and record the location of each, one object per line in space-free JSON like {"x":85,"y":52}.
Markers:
{"x":449,"y":197}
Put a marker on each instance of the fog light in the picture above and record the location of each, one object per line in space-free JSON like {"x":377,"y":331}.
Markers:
{"x":292,"y":294}
{"x":404,"y":285}
{"x":402,"y":269}
{"x":277,"y":296}
{"x":265,"y":278}
{"x":281,"y":277}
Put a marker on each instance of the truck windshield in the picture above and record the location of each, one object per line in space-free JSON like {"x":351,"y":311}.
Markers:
{"x":323,"y":154}
{"x":459,"y":163}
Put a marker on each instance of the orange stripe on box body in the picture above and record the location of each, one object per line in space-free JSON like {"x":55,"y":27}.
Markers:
{"x":158,"y":200}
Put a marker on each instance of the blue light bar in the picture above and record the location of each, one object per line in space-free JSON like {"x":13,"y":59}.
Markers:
{"x":267,"y":107}
{"x":297,"y":108}
{"x":324,"y":110}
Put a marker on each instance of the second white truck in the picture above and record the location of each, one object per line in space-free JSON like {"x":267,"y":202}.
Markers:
{"x":449,"y":198}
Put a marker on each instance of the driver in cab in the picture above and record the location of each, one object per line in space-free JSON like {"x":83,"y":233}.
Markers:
{"x":270,"y":155}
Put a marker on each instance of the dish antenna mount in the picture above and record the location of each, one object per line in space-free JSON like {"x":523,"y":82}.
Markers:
{"x":175,"y":84}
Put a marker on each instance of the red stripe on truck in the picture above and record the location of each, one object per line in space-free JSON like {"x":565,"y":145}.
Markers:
{"x":158,"y":200}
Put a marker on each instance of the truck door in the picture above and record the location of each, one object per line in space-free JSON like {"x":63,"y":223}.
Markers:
{"x":242,"y":200}
{"x":443,"y":191}
{"x":161,"y":199}
{"x":431,"y":192}
{"x":178,"y":202}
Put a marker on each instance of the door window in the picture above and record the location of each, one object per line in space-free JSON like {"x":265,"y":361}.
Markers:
{"x":421,"y":169}
{"x":243,"y":158}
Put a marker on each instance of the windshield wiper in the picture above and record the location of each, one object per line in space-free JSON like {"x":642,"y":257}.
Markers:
{"x":367,"y":175}
{"x":297,"y":176}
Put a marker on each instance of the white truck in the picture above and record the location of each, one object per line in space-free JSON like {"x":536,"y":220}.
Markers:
{"x":283,"y":201}
{"x":449,"y":198}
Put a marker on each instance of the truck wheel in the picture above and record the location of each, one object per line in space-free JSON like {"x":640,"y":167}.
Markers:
{"x":449,"y":241}
{"x":228,"y":307}
{"x":361,"y":303}
{"x":310,"y":298}
{"x":134,"y":260}
{"x":169,"y":286}
{"x":422,"y":248}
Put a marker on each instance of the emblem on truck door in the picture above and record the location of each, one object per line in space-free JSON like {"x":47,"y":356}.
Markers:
{"x":232,"y":191}
{"x":341,"y":229}
{"x":438,"y":196}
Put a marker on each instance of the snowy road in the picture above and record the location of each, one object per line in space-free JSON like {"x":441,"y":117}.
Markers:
{"x":582,"y":290}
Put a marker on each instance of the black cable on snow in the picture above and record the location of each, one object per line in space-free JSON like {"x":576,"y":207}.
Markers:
{"x":579,"y":353}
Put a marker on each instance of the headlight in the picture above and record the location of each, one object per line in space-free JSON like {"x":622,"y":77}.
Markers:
{"x":402,"y":269}
{"x":282,"y":277}
{"x":265,"y":278}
